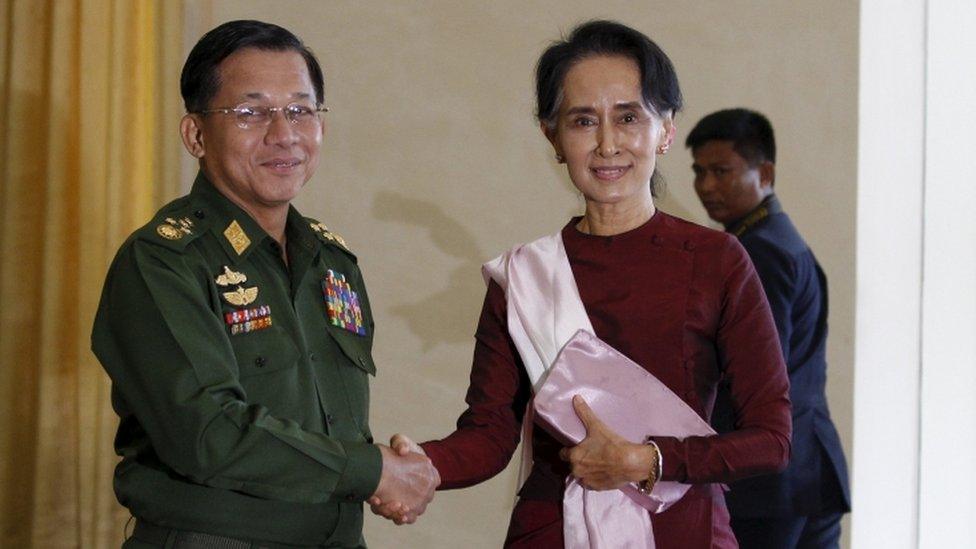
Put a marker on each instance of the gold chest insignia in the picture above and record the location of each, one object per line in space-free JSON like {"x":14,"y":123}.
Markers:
{"x":241,"y":297}
{"x":237,"y":237}
{"x":173,"y":229}
{"x":230,"y":278}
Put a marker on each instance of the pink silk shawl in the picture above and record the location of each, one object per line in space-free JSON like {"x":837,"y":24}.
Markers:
{"x":562,"y":357}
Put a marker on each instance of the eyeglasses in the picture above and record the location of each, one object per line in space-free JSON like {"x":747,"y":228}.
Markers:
{"x":251,"y":116}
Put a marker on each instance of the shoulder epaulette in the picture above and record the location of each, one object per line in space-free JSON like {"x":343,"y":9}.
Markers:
{"x":327,"y":236}
{"x":174,"y":226}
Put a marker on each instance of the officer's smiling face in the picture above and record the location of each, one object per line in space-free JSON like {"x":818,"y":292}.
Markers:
{"x":260,"y":167}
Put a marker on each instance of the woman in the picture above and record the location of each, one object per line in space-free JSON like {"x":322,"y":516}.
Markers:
{"x":680,"y":300}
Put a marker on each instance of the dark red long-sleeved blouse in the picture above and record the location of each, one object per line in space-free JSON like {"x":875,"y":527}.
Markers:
{"x":684,"y":302}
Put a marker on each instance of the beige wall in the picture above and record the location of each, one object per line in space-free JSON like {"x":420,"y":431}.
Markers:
{"x":433,"y":164}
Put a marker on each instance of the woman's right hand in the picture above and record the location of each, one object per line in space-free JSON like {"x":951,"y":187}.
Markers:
{"x":604,"y":460}
{"x":403,"y":445}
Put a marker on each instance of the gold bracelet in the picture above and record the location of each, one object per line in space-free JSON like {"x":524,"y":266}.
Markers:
{"x":645,"y":486}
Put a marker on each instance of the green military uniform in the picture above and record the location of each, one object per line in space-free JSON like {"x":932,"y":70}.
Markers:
{"x":241,"y":383}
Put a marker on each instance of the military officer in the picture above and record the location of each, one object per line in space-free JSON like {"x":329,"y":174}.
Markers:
{"x":238,"y":333}
{"x":734,"y":155}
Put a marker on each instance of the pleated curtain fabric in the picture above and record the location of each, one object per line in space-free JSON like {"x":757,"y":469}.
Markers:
{"x":89,"y":111}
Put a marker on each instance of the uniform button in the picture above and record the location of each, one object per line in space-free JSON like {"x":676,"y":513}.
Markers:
{"x":199,"y":214}
{"x":260,"y":362}
{"x":311,"y":356}
{"x":329,"y":419}
{"x":689,"y":245}
{"x":657,"y":239}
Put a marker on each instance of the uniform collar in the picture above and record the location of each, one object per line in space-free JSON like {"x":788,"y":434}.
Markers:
{"x":238,"y":233}
{"x":769,"y":206}
{"x":300,"y":233}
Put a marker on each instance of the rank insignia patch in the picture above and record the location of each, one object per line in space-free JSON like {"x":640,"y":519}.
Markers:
{"x":236,"y":236}
{"x":342,"y":303}
{"x":243,"y":321}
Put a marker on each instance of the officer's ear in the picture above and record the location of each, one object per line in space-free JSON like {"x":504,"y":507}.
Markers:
{"x":191,"y":130}
{"x":767,"y":175}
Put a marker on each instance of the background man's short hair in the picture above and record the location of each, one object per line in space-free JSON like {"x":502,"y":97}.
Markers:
{"x":750,"y":132}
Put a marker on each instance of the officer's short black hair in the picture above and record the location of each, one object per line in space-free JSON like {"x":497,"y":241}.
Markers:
{"x":200,"y":79}
{"x":658,"y":79}
{"x":750,"y":132}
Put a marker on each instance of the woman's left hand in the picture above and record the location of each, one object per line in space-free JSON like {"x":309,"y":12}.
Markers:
{"x":604,"y":460}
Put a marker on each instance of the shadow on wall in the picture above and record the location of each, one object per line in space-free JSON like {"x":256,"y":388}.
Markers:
{"x":671,"y":203}
{"x":445,"y":316}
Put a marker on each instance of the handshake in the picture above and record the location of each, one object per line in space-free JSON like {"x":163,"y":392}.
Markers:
{"x":407,"y":482}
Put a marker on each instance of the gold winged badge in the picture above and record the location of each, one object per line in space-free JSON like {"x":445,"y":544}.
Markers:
{"x":242,"y":296}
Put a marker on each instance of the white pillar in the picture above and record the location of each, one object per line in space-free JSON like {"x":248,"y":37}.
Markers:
{"x":891,"y":130}
{"x":914,"y":476}
{"x":947,"y":474}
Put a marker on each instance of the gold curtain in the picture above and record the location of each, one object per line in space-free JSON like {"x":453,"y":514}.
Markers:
{"x":89,"y":106}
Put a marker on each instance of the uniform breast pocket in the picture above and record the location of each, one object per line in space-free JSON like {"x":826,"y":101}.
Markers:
{"x":355,"y":367}
{"x":261,"y":353}
{"x":357,"y":348}
{"x":269,"y":374}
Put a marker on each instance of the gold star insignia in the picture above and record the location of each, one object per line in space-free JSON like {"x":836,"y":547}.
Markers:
{"x":329,"y":235}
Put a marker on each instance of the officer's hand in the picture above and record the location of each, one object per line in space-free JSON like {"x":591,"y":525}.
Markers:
{"x":406,"y":486}
{"x":604,"y":460}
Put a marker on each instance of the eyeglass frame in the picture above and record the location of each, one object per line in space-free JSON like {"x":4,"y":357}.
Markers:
{"x":271,"y":110}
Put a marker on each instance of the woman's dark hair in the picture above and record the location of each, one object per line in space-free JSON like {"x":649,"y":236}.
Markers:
{"x":200,"y":79}
{"x":658,"y":79}
{"x":750,"y":132}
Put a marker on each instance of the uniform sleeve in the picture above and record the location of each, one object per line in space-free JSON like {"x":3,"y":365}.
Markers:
{"x":182,"y":386}
{"x":778,"y":274}
{"x":488,"y":431}
{"x":750,"y":355}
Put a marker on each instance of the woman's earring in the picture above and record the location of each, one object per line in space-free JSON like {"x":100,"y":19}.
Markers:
{"x":663,"y":149}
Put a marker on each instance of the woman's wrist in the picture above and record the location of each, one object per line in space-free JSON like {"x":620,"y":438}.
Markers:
{"x":653,"y":470}
{"x":643,"y":458}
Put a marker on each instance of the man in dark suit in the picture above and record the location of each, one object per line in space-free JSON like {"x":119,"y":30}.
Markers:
{"x":734,"y":163}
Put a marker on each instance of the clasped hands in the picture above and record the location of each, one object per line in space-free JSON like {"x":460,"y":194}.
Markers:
{"x":602,"y":461}
{"x":407,"y":482}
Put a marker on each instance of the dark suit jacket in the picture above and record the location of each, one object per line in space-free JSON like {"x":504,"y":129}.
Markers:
{"x":816,"y":478}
